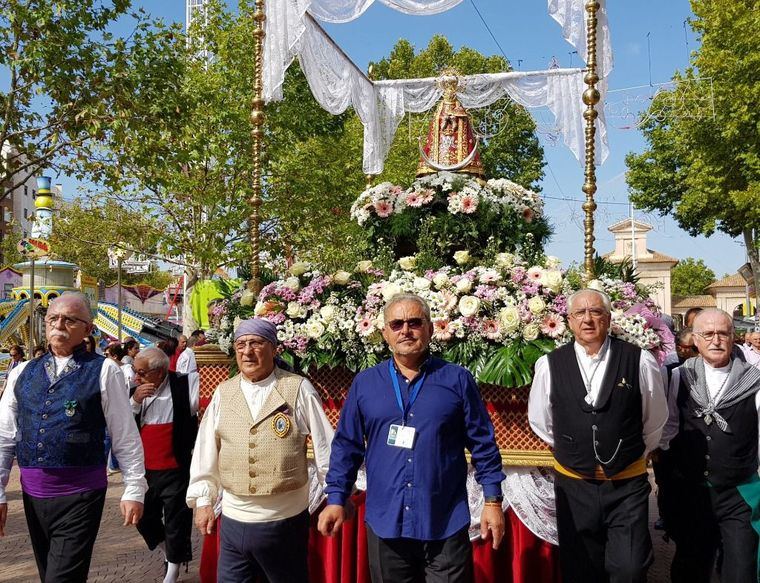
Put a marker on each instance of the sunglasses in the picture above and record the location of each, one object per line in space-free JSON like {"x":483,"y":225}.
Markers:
{"x":413,"y":323}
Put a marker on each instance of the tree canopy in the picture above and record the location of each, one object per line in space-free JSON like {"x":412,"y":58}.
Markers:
{"x":702,"y":163}
{"x":690,"y":277}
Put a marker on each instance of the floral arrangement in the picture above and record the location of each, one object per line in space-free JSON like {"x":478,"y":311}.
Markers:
{"x":443,"y":212}
{"x":495,"y":319}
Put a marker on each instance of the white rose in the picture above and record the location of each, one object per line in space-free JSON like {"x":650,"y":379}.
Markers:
{"x":536,"y":305}
{"x":380,"y":321}
{"x":462,"y":257}
{"x":293,"y":283}
{"x":595,"y":284}
{"x":246,"y":299}
{"x":464,"y":285}
{"x":421,"y":283}
{"x":469,"y":306}
{"x":364,"y":266}
{"x":236,"y":322}
{"x":440,"y":279}
{"x":531,"y":331}
{"x":505,"y":260}
{"x":314,"y":328}
{"x":294,"y":310}
{"x":553,"y":262}
{"x":327,"y":313}
{"x":407,"y":263}
{"x":298,"y":268}
{"x":341,"y":277}
{"x":553,"y":280}
{"x":509,"y":318}
{"x":390,"y":289}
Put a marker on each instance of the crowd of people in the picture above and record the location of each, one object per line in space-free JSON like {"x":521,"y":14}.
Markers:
{"x":604,"y":406}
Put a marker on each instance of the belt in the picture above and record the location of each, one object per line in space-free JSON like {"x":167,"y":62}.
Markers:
{"x":637,"y":468}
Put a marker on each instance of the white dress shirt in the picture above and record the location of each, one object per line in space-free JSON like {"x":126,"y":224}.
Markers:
{"x":129,"y":374}
{"x":751,"y":355}
{"x":205,"y":482}
{"x":125,"y":439}
{"x":654,"y":409}
{"x":158,"y":409}
{"x":715,"y":379}
{"x":186,"y":362}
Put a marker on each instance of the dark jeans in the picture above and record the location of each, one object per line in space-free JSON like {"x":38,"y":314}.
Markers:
{"x":603,"y":529}
{"x":63,"y":532}
{"x":406,"y":560}
{"x":275,"y":550}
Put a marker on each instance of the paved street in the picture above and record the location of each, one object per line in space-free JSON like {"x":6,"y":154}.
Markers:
{"x":121,"y":555}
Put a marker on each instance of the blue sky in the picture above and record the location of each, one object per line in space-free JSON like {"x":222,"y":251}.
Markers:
{"x":649,"y":43}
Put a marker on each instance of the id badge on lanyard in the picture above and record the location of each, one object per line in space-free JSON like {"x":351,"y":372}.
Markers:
{"x":402,"y":435}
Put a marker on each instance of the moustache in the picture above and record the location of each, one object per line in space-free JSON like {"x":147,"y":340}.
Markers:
{"x":61,"y":333}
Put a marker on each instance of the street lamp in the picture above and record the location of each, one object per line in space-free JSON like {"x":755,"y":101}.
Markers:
{"x":119,"y":254}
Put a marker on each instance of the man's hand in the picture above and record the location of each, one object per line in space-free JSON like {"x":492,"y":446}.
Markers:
{"x":205,"y":519}
{"x":3,"y":517}
{"x":492,"y":520}
{"x":143,"y":392}
{"x":131,"y":511}
{"x":331,"y":519}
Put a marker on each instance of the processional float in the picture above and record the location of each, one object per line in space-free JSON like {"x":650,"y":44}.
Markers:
{"x":288,"y":29}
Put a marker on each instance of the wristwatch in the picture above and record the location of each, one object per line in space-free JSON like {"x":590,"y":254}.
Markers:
{"x":494,"y":499}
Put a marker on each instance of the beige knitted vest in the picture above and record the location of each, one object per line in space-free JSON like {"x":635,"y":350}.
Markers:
{"x":253,"y":459}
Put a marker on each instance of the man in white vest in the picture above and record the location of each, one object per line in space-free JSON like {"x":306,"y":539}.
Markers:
{"x":252,"y":444}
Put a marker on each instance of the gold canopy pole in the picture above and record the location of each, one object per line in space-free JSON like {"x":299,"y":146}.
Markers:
{"x":257,"y":135}
{"x":590,"y":98}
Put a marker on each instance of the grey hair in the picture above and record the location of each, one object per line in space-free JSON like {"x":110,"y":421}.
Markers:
{"x":714,"y":312}
{"x":407,"y":297}
{"x":605,"y":298}
{"x":78,"y":298}
{"x":684,"y":333}
{"x":155,"y":358}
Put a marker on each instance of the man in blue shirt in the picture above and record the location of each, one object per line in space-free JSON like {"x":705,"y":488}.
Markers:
{"x":416,"y":414}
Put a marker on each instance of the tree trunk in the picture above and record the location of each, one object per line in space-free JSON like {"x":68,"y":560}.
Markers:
{"x":188,"y":321}
{"x":750,"y":244}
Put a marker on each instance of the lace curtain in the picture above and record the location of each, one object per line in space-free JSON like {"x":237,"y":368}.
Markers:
{"x":337,"y":83}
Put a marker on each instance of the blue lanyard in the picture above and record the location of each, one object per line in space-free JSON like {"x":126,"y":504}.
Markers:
{"x":415,"y":391}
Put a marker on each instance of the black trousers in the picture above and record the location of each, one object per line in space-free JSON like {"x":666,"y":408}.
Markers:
{"x":663,"y":475}
{"x":406,"y":560}
{"x":270,"y":551}
{"x":704,"y":519}
{"x":166,"y":517}
{"x":603,"y":530}
{"x":63,"y":532}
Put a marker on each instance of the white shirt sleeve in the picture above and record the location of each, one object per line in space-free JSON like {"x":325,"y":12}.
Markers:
{"x":311,"y":420}
{"x":205,"y":481}
{"x":186,"y":362}
{"x":671,"y":426}
{"x":8,"y":428}
{"x":125,"y":438}
{"x":654,"y":408}
{"x":194,"y":386}
{"x":539,"y":407}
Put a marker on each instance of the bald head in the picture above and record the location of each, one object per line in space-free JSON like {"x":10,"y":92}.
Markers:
{"x":67,"y":323}
{"x":714,"y":336}
{"x":74,"y":302}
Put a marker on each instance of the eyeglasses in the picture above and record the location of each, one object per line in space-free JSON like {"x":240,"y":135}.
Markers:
{"x":244,"y":345}
{"x":413,"y":323}
{"x":595,"y":313}
{"x":711,"y":335}
{"x":68,"y":321}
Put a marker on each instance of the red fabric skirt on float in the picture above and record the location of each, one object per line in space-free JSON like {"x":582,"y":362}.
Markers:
{"x":521,"y":558}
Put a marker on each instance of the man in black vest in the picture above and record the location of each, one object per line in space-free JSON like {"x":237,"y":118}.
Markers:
{"x":165,"y":405}
{"x":715,"y":457}
{"x":599,"y":403}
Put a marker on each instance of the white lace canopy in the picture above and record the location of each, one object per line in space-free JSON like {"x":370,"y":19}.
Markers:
{"x":292,"y":31}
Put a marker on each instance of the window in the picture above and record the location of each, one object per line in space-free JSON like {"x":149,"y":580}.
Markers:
{"x":7,"y":288}
{"x":26,"y":190}
{"x":26,"y":213}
